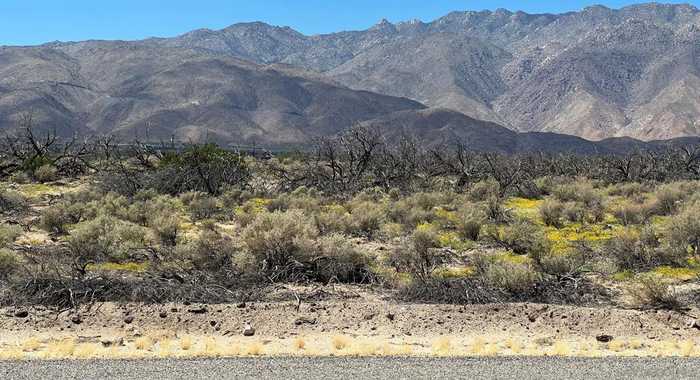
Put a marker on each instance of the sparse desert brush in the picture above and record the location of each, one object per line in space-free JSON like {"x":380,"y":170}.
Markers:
{"x":8,"y":234}
{"x":683,"y":234}
{"x":483,"y":190}
{"x":143,"y":343}
{"x":471,"y":219}
{"x":11,"y":201}
{"x":630,"y":213}
{"x":277,"y":238}
{"x":9,"y":262}
{"x":551,"y":212}
{"x":343,"y":261}
{"x":340,"y":342}
{"x":649,"y":291}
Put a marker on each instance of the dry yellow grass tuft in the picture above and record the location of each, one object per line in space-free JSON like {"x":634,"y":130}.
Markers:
{"x":31,"y":345}
{"x":561,"y":348}
{"x":212,"y":348}
{"x":143,"y":343}
{"x":442,"y":346}
{"x":299,"y":344}
{"x":87,"y":351}
{"x":477,"y":346}
{"x":254,"y":349}
{"x":60,"y":349}
{"x":340,"y":342}
{"x":186,"y":343}
{"x":686,"y":348}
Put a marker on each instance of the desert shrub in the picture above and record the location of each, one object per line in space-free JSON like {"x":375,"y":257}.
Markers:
{"x":683,"y":234}
{"x":210,"y":251}
{"x":166,"y":227}
{"x":200,"y":205}
{"x":8,"y":234}
{"x":567,"y":265}
{"x":471,"y":219}
{"x":551,"y":212}
{"x":629,"y":213}
{"x":366,"y":218}
{"x":629,"y":189}
{"x":337,"y":258}
{"x":668,"y":198}
{"x":205,"y":168}
{"x":56,"y":219}
{"x":518,"y":279}
{"x":418,"y":255}
{"x":9,"y":263}
{"x":106,"y":238}
{"x":11,"y":201}
{"x":521,"y":237}
{"x":277,"y":240}
{"x":45,"y":173}
{"x":496,"y":212}
{"x":415,"y":209}
{"x":633,"y":249}
{"x":484,"y":190}
{"x":575,"y":213}
{"x":649,"y":291}
{"x":333,"y":218}
{"x":581,"y":190}
{"x":299,"y":200}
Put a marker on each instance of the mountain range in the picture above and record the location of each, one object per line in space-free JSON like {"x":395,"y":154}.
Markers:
{"x":509,"y":79}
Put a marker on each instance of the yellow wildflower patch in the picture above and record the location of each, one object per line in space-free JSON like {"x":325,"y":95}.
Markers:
{"x":123,"y":267}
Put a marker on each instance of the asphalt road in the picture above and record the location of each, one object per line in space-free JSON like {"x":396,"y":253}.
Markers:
{"x":356,"y":369}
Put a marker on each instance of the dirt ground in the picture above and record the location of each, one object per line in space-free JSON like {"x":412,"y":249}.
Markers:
{"x":330,"y":326}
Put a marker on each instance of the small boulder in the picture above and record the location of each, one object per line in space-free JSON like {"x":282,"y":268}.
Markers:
{"x":604,"y":338}
{"x":198,"y":310}
{"x":21,"y":314}
{"x":112,"y":342}
{"x":248,"y":330}
{"x":390,"y":316}
{"x":304,"y":321}
{"x":128,"y":319}
{"x":76,"y":319}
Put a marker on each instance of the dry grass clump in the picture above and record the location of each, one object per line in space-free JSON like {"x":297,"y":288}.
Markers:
{"x":442,"y":346}
{"x":299,"y":344}
{"x":254,"y":349}
{"x":340,"y":342}
{"x":186,"y":343}
{"x":31,"y":345}
{"x":143,"y":343}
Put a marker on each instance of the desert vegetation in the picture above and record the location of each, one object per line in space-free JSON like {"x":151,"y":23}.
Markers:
{"x":95,"y":220}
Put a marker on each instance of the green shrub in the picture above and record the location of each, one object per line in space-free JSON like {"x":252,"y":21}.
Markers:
{"x":56,"y":219}
{"x":366,"y":218}
{"x":471,"y":220}
{"x":11,"y":201}
{"x":9,"y":263}
{"x":521,"y":237}
{"x":200,"y":205}
{"x":634,"y":249}
{"x":652,"y":292}
{"x":575,"y":213}
{"x":484,"y":190}
{"x":581,"y":190}
{"x":106,"y":238}
{"x":418,"y":255}
{"x":668,"y":198}
{"x":277,"y":239}
{"x":337,"y":258}
{"x":166,"y":228}
{"x":8,"y":234}
{"x":45,"y":173}
{"x":210,"y":251}
{"x":551,"y":212}
{"x":629,"y":213}
{"x":518,"y":279}
{"x":683,"y":234}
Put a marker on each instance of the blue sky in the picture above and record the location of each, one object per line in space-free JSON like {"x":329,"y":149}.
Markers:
{"x":28,"y":22}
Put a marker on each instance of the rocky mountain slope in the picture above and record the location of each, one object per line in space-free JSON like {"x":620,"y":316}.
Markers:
{"x":595,"y":73}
